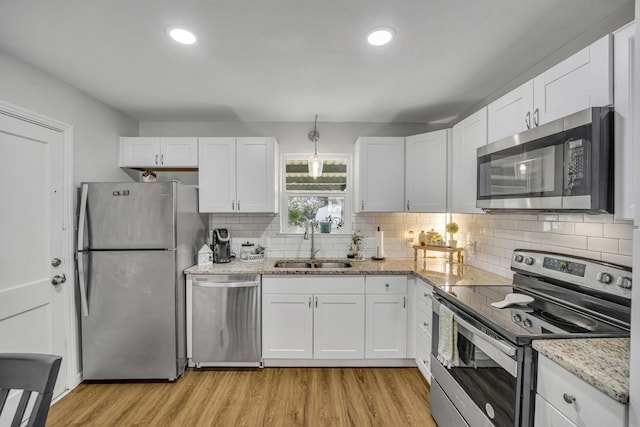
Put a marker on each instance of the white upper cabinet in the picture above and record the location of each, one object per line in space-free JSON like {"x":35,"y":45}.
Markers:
{"x":511,"y":113}
{"x":237,"y":174}
{"x":159,"y":152}
{"x":426,"y":171}
{"x":468,"y":135}
{"x":379,"y":169}
{"x":583,"y":80}
{"x":623,"y":66}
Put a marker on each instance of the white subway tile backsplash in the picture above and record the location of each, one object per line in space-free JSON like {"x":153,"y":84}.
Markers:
{"x":496,"y":236}
{"x":589,"y":229}
{"x":618,"y":231}
{"x":600,"y":244}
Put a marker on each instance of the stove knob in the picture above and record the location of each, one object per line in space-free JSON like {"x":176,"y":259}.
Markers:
{"x":527,"y":323}
{"x":518,"y":258}
{"x":516,"y":317}
{"x":529,"y":260}
{"x":604,"y":278}
{"x":624,"y":282}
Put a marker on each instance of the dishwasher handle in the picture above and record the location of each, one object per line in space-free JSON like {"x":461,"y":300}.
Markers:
{"x":203,"y":283}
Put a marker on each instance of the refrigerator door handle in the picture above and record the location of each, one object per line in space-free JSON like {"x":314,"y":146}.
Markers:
{"x":82,"y":216}
{"x":84,"y":305}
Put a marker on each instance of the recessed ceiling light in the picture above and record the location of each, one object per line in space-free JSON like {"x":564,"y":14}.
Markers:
{"x":380,"y":36}
{"x":181,"y":35}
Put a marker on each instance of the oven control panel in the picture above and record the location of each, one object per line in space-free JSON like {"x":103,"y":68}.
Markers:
{"x":593,"y":274}
{"x":569,"y":267}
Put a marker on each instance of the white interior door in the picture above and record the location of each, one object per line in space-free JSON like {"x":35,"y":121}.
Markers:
{"x":32,"y":310}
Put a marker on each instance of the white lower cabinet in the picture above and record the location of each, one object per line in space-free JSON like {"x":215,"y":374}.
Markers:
{"x":287,"y":326}
{"x":319,"y":317}
{"x":563,"y":399}
{"x":386,"y":317}
{"x":338,"y":327}
{"x":423,"y":328}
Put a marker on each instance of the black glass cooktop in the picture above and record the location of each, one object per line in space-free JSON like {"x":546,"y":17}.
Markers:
{"x":542,"y":318}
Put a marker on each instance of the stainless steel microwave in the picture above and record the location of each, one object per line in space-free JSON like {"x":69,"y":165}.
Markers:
{"x":564,"y":165}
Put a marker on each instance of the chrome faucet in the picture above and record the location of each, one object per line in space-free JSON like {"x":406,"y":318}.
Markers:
{"x":311,"y":224}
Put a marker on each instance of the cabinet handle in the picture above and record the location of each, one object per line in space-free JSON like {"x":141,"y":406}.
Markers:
{"x":156,"y":159}
{"x":569,"y":398}
{"x":386,"y":285}
{"x":527,"y":120}
{"x":162,"y":159}
{"x":536,"y":117}
{"x":404,"y":302}
{"x":425,"y":295}
{"x":425,"y":324}
{"x":316,"y":302}
{"x":309,"y":302}
{"x":233,"y":205}
{"x":363,"y":205}
{"x":238,"y":205}
{"x":408,"y":205}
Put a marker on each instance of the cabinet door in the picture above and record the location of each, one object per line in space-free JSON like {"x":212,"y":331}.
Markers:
{"x":511,"y":113}
{"x":256,"y":175}
{"x":338,"y":327}
{"x":380,"y":172}
{"x":386,"y":326}
{"x":468,"y":135}
{"x":548,"y":416}
{"x":623,"y":66}
{"x":217,"y":174}
{"x":426,"y":172}
{"x":179,"y":152}
{"x":287,"y":326}
{"x":581,"y":81}
{"x":140,"y":151}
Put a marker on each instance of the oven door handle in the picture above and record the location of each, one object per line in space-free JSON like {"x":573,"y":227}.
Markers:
{"x":502,"y":346}
{"x":499,"y":344}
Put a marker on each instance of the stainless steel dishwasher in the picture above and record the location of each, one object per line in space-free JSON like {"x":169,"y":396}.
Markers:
{"x":225,"y":321}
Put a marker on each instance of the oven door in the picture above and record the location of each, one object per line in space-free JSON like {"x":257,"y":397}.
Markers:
{"x":483,"y":389}
{"x":517,"y":175}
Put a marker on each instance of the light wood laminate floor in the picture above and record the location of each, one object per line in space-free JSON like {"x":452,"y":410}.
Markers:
{"x":279,"y":397}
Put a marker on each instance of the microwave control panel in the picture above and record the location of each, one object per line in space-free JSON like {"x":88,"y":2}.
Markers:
{"x":575,"y":170}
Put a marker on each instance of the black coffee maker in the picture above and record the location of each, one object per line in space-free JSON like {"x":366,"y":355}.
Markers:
{"x":221,"y":245}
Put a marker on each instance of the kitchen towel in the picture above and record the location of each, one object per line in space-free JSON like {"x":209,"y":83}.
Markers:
{"x":447,"y":338}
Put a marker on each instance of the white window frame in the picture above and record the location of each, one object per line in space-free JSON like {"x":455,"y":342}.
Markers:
{"x":346,"y":228}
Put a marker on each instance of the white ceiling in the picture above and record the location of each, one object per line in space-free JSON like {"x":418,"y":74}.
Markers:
{"x":287,"y":60}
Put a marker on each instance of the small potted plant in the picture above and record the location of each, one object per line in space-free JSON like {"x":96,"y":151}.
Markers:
{"x":452,"y":228}
{"x":355,"y":247}
{"x":327,"y":224}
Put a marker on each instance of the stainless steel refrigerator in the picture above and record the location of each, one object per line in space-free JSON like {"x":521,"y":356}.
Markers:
{"x":134,"y":241}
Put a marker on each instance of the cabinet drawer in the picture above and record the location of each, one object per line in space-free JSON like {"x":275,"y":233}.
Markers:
{"x":423,"y":360}
{"x":386,"y":284}
{"x":589,"y":403}
{"x":423,"y":319}
{"x":547,"y":415}
{"x":313,"y":285}
{"x":423,"y":291}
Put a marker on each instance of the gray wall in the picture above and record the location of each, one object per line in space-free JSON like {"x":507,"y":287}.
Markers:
{"x":96,"y":126}
{"x":291,"y":136}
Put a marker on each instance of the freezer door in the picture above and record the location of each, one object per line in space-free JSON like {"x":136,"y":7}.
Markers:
{"x":133,"y":215}
{"x":130,"y":329}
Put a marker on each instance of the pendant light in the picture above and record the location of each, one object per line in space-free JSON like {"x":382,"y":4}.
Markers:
{"x":315,"y":162}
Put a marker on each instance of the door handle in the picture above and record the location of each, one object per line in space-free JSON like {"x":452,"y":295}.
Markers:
{"x":58,"y":279}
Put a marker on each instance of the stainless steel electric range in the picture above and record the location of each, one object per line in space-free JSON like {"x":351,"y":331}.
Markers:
{"x":493,"y":383}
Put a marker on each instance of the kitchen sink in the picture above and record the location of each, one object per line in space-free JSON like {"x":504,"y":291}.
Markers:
{"x":312,"y":264}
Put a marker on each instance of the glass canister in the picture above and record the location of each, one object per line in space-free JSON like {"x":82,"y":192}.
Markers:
{"x":248,"y":249}
{"x":422,"y":238}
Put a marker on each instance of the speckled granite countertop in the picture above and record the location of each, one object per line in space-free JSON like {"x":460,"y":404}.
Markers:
{"x":435,"y":271}
{"x":601,"y":362}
